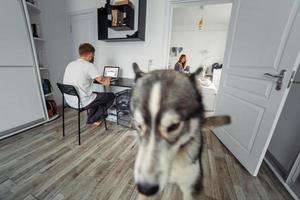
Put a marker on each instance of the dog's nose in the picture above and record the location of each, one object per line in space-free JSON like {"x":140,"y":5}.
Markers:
{"x":147,"y":189}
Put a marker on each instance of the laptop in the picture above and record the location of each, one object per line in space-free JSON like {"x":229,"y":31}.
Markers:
{"x":111,"y":72}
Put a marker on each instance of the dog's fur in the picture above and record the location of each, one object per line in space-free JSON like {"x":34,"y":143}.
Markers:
{"x":168,"y":114}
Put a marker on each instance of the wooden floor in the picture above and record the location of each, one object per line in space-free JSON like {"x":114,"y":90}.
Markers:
{"x":40,"y":164}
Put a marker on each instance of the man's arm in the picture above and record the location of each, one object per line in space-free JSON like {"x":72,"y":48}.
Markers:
{"x":104,"y":81}
{"x":94,"y":74}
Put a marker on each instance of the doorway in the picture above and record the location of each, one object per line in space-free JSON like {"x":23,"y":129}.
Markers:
{"x":82,"y":29}
{"x":258,"y":65}
{"x":200,"y":32}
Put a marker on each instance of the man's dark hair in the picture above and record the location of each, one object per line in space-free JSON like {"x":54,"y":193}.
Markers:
{"x":85,"y":49}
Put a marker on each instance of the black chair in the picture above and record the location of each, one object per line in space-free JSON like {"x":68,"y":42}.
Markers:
{"x":71,"y":90}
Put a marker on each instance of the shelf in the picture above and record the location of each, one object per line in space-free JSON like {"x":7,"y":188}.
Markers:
{"x":124,"y":27}
{"x":122,"y":8}
{"x":104,"y":23}
{"x":49,"y":94}
{"x":38,"y":39}
{"x":128,"y":21}
{"x":123,"y":39}
{"x":120,"y":28}
{"x":43,"y":68}
{"x":33,"y":8}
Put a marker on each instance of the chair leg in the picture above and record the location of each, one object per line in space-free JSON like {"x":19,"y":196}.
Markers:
{"x":63,"y":115}
{"x":117,"y":118}
{"x":79,"y":142}
{"x":105,"y":113}
{"x":105,"y":124}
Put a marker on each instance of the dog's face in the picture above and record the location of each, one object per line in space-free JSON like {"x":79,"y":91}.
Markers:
{"x":167,"y":111}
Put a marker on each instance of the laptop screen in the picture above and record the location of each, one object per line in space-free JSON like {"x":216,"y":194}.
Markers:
{"x":112,"y":72}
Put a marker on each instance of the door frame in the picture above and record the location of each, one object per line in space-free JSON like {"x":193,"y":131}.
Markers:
{"x":71,"y":14}
{"x":171,"y":4}
{"x":169,"y":7}
{"x":295,"y":169}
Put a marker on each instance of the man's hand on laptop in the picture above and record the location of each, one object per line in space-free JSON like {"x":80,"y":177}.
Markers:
{"x":105,"y":81}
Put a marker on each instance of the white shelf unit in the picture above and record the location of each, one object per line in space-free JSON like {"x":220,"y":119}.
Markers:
{"x":38,"y":39}
{"x":32,"y":8}
{"x":49,"y":94}
{"x":34,"y":18}
{"x":43,"y":68}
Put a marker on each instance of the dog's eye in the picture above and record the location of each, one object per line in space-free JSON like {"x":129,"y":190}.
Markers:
{"x":173,"y":127}
{"x":139,"y":126}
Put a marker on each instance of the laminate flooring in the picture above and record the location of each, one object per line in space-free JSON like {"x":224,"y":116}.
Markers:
{"x":40,"y":164}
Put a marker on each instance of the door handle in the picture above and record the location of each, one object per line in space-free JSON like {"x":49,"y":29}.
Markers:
{"x":279,"y":78}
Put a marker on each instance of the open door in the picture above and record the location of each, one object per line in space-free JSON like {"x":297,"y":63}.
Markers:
{"x":263,"y":41}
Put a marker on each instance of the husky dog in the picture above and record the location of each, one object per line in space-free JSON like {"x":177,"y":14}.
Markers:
{"x":168,"y":114}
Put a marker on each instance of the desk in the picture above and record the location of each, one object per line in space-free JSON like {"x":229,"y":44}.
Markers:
{"x":121,"y":82}
{"x":120,"y":109}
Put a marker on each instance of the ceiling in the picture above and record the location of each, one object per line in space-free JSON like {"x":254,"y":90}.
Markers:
{"x":213,"y":14}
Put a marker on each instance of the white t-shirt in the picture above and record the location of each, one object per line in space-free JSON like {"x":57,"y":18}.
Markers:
{"x":81,"y":74}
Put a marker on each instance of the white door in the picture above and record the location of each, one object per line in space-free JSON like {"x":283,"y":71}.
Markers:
{"x":82,"y":30}
{"x":263,"y":38}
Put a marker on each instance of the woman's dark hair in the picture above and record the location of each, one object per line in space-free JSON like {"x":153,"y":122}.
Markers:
{"x":180,"y":60}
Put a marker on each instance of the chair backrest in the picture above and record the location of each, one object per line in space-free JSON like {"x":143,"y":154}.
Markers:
{"x":67,"y":89}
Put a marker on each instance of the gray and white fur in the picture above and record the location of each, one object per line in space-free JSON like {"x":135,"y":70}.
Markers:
{"x":168,"y":114}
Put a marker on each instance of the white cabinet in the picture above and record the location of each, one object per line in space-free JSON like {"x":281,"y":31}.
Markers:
{"x":16,"y":48}
{"x":21,"y":99}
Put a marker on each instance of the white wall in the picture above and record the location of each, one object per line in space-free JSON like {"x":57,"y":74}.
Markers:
{"x":123,"y":54}
{"x":78,"y":5}
{"x":54,"y":24}
{"x":195,"y":41}
{"x":54,"y":28}
{"x":54,"y":20}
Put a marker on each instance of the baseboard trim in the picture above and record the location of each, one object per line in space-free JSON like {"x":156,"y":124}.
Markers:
{"x":13,"y":133}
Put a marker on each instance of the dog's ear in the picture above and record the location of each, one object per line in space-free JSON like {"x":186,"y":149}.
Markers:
{"x":196,"y":75}
{"x":137,"y":71}
{"x":215,"y":121}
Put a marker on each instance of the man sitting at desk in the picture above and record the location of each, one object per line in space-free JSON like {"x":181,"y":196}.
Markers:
{"x":81,"y":73}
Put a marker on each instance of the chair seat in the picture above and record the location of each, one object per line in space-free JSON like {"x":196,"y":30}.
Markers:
{"x":87,"y":107}
{"x":71,"y":90}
